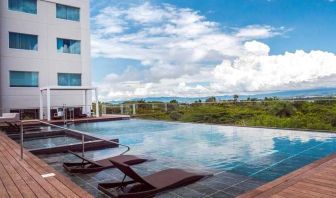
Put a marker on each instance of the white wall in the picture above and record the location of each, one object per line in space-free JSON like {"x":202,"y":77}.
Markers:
{"x":47,"y":61}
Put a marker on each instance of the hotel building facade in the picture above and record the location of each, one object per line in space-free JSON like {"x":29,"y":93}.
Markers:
{"x":44,"y":43}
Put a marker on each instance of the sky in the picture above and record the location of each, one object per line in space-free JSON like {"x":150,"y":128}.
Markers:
{"x":194,"y":48}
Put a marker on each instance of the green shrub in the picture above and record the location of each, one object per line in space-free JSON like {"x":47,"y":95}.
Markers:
{"x":283,"y":109}
{"x":175,"y":115}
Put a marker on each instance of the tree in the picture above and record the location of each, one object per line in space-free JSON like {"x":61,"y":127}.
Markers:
{"x":235,"y":97}
{"x":174,"y":101}
{"x":198,"y":101}
{"x":211,"y":99}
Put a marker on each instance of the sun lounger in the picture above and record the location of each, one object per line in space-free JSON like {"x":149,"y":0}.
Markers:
{"x":149,"y":185}
{"x":90,"y":166}
{"x":10,"y":117}
{"x":11,"y":120}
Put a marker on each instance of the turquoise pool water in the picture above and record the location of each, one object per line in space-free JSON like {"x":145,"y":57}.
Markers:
{"x":263,"y":154}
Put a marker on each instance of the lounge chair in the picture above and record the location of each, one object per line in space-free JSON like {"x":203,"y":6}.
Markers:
{"x":11,"y":120}
{"x":10,"y":117}
{"x":150,"y":185}
{"x":90,"y":166}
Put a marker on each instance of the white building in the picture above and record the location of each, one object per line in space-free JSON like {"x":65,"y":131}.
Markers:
{"x":44,"y":43}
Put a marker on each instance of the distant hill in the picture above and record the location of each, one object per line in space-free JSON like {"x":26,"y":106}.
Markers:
{"x":321,"y":92}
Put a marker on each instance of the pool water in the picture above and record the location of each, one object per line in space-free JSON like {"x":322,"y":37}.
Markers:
{"x":263,"y":154}
{"x":49,"y":142}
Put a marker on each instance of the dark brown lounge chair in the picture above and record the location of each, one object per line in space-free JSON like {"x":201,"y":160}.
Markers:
{"x":150,"y":185}
{"x":90,"y":166}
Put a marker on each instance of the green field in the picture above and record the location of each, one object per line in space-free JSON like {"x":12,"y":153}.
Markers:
{"x":316,"y":115}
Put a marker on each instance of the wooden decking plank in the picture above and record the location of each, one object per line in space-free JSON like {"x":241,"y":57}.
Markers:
{"x":30,"y":181}
{"x":59,"y":186}
{"x":303,"y":190}
{"x":277,"y":196}
{"x":16,"y":178}
{"x":73,"y":187}
{"x":70,"y":189}
{"x":301,"y":193}
{"x":11,"y":188}
{"x":290,"y":193}
{"x":314,"y":180}
{"x":37,"y":177}
{"x":3,"y":192}
{"x":321,"y":181}
{"x":317,"y":188}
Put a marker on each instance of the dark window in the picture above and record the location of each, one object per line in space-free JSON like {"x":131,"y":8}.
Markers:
{"x":28,"y":6}
{"x":67,"y":12}
{"x":23,"y":79}
{"x":68,"y":46}
{"x":67,"y":79}
{"x":23,"y":41}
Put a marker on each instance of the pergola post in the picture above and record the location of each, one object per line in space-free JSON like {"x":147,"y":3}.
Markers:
{"x":97,"y":103}
{"x":41,"y":104}
{"x":86,"y":107}
{"x":48,"y":104}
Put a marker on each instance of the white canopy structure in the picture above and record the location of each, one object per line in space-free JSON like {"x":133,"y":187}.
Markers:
{"x":61,"y":88}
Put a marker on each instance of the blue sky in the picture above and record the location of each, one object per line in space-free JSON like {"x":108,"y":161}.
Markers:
{"x":211,"y":47}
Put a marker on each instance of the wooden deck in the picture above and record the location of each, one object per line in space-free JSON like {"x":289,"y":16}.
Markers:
{"x":314,"y":180}
{"x":23,"y":177}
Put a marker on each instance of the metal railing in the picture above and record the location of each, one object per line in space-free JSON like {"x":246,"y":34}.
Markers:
{"x":69,"y":111}
{"x":83,"y":134}
{"x":136,"y":108}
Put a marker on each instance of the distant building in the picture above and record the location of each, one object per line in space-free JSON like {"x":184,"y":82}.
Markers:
{"x":44,"y":43}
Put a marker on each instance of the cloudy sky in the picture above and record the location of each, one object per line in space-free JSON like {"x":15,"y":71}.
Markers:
{"x":211,"y":47}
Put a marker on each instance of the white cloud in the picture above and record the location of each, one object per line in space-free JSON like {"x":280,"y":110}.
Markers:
{"x":184,"y":54}
{"x":260,"y":71}
{"x":256,"y":31}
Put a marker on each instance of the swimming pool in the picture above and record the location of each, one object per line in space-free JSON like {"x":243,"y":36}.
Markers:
{"x":263,"y":154}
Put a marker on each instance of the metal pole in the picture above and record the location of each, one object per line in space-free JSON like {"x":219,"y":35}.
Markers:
{"x":64,"y":115}
{"x":97,"y":103}
{"x":48,"y":105}
{"x":21,"y":139}
{"x":41,"y":105}
{"x":83,"y":147}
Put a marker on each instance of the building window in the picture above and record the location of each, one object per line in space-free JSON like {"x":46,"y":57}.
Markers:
{"x":68,"y":46}
{"x":23,"y":79}
{"x":23,"y":41}
{"x":67,"y":12}
{"x":67,"y":79}
{"x":28,"y":6}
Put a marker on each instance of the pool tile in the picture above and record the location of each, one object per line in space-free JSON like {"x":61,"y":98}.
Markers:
{"x":187,"y":192}
{"x":168,"y":195}
{"x":235,"y":191}
{"x":247,"y":169}
{"x":214,"y":184}
{"x":230,"y":181}
{"x":266,"y":176}
{"x":247,"y":185}
{"x":221,"y":194}
{"x":202,"y":188}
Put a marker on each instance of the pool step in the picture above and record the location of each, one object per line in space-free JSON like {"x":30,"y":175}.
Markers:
{"x":77,"y":147}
